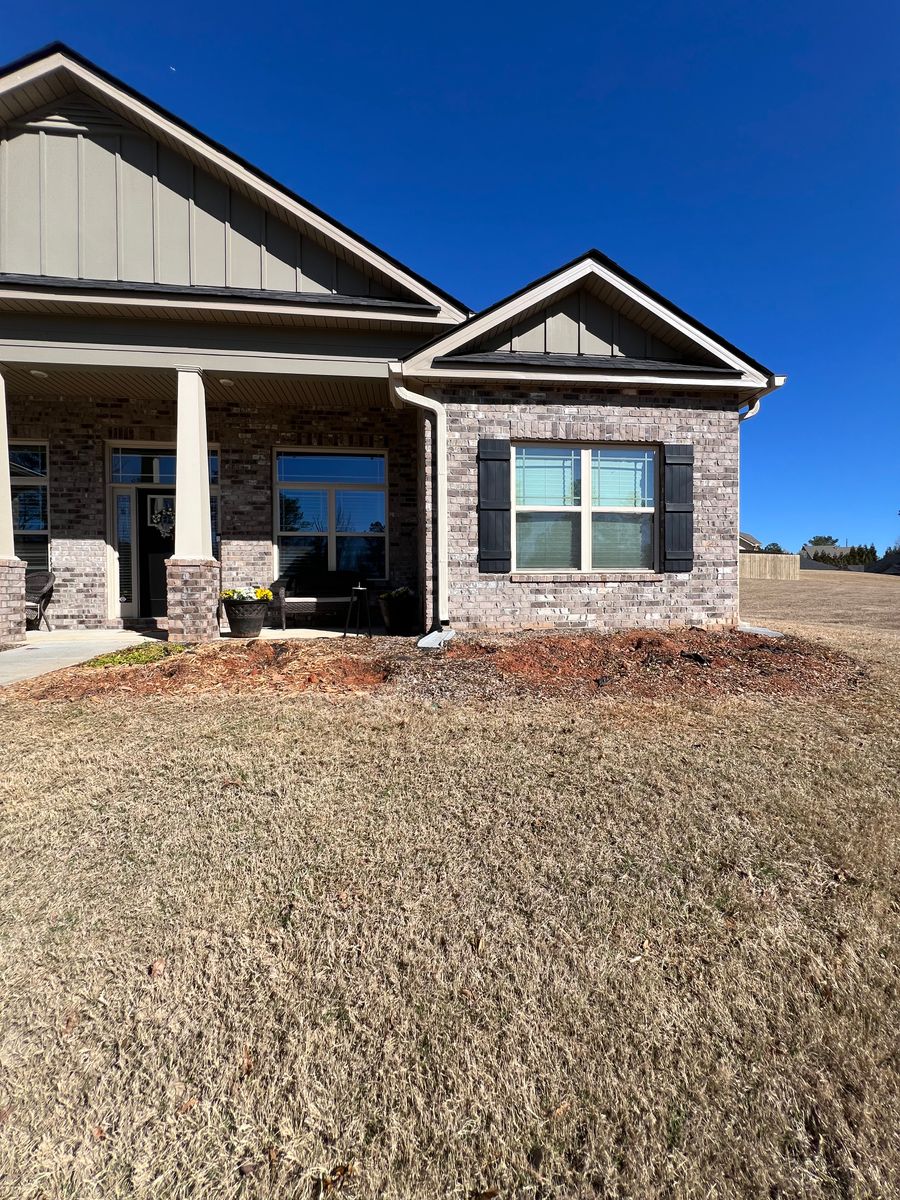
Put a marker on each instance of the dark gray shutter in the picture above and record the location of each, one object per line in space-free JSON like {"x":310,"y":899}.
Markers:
{"x":494,"y":504}
{"x":678,"y":508}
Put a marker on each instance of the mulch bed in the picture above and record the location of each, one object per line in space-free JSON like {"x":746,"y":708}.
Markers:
{"x":645,"y":664}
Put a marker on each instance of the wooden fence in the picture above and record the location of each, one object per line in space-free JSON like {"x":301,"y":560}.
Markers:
{"x":770,"y":566}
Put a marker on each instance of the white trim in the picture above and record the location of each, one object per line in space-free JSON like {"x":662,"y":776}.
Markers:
{"x":223,"y":162}
{"x":585,"y":509}
{"x":331,"y":534}
{"x":78,"y":354}
{"x":420,"y":363}
{"x":539,"y":375}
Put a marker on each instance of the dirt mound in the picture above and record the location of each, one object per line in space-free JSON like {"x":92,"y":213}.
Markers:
{"x":280,"y":667}
{"x":644,"y":664}
{"x":650,"y":663}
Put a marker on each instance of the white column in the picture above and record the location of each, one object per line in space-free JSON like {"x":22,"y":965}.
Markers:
{"x":193,"y":534}
{"x":7,"y":546}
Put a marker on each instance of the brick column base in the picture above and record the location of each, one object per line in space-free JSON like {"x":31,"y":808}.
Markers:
{"x":192,"y":586}
{"x":12,"y":601}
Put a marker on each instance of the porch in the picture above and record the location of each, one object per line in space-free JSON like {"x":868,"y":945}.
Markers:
{"x":146,"y":491}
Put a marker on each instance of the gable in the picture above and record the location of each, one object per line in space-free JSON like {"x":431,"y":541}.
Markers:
{"x":593,"y":321}
{"x":578,"y":323}
{"x":85,"y":194}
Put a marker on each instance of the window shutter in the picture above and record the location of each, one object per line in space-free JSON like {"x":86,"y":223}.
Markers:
{"x":494,"y":504}
{"x":678,"y":509}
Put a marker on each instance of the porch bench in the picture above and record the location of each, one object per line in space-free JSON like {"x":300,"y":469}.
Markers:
{"x":311,"y":595}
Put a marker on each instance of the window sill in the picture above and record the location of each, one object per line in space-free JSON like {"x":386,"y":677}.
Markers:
{"x":635,"y":576}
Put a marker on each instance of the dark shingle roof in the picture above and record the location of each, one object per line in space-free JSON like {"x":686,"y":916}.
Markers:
{"x":121,"y":287}
{"x":582,"y":362}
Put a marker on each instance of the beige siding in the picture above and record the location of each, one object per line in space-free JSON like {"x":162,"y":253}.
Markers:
{"x":83,"y":195}
{"x":580,"y":323}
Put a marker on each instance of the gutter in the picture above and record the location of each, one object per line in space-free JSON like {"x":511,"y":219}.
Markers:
{"x":775,"y":382}
{"x":404,"y":395}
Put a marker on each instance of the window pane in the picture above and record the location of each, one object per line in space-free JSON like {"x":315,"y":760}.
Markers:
{"x":152,"y":466}
{"x":548,"y":475}
{"x":34,"y":550}
{"x":303,"y":509}
{"x":363,"y":555}
{"x":302,"y":557}
{"x":123,"y":538}
{"x":621,"y":540}
{"x":329,"y":468}
{"x":28,"y":461}
{"x":359,"y":512}
{"x":548,"y":541}
{"x":29,"y":506}
{"x":623,"y":478}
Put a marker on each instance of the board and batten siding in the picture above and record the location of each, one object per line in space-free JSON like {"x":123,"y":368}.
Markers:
{"x":83,"y":195}
{"x":579,"y":323}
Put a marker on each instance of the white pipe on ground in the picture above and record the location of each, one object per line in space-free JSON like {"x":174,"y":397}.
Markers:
{"x":439,"y":415}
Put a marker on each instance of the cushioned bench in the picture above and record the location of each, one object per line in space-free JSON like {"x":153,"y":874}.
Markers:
{"x":311,"y":595}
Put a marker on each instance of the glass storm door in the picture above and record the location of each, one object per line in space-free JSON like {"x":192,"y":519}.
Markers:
{"x":123,"y":511}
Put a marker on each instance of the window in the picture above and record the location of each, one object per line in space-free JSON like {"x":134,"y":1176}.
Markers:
{"x":331,"y":513}
{"x":584,"y":508}
{"x":152,"y":465}
{"x":29,"y":477}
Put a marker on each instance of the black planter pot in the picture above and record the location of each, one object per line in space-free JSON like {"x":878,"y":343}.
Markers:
{"x":400,"y":612}
{"x":246,"y":617}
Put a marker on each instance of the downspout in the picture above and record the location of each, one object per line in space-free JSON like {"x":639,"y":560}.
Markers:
{"x":439,"y":415}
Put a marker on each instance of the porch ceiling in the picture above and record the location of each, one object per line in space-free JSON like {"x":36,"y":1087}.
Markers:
{"x":299,"y":391}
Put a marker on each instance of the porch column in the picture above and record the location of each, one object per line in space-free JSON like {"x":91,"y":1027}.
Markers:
{"x":192,"y":574}
{"x":12,"y":569}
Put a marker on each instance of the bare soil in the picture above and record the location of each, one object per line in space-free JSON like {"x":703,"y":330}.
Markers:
{"x":639,"y":664}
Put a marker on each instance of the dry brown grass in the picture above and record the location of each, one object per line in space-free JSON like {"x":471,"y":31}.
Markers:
{"x":554,"y":948}
{"x":846,"y":598}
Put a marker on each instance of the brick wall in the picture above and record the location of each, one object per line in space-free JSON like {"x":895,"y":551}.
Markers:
{"x":78,"y":429}
{"x":706,"y":596}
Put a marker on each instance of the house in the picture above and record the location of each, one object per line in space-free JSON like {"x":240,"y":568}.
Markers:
{"x":808,"y":550}
{"x":748,"y":544}
{"x":181,"y":336}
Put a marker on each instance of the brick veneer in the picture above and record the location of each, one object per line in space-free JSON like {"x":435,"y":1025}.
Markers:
{"x":707,"y":596}
{"x":192,"y":586}
{"x":12,"y":601}
{"x":78,"y":427}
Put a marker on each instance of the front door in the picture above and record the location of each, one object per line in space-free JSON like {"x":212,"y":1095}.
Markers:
{"x":155,"y":543}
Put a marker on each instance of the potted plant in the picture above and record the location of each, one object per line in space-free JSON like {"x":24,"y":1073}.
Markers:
{"x":400,"y":611}
{"x":245,"y":609}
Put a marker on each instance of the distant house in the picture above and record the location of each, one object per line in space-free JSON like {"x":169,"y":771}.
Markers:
{"x":748,"y":543}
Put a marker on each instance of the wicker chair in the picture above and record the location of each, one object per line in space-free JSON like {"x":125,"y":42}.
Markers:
{"x":38,"y":594}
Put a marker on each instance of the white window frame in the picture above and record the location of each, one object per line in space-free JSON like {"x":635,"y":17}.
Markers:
{"x":585,"y":508}
{"x":331,"y":534}
{"x":45,"y":481}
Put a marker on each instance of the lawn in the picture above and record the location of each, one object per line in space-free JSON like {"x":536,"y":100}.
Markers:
{"x":373,"y":945}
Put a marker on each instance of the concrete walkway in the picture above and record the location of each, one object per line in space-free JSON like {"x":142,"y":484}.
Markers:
{"x":45,"y":652}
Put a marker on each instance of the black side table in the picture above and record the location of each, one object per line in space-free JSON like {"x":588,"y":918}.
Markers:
{"x":359,"y":600}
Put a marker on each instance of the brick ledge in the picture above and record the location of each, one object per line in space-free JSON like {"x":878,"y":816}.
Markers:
{"x":606,"y":577}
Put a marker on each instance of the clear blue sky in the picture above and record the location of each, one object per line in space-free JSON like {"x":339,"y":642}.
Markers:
{"x":744,"y":159}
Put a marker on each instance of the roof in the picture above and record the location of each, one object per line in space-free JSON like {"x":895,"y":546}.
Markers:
{"x":127,"y":288}
{"x":583,"y":362}
{"x":750,"y":539}
{"x":89,"y":75}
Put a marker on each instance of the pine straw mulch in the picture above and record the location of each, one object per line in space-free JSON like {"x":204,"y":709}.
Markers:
{"x":646,"y":664}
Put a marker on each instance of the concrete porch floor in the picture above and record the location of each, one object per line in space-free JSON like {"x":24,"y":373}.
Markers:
{"x":51,"y":651}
